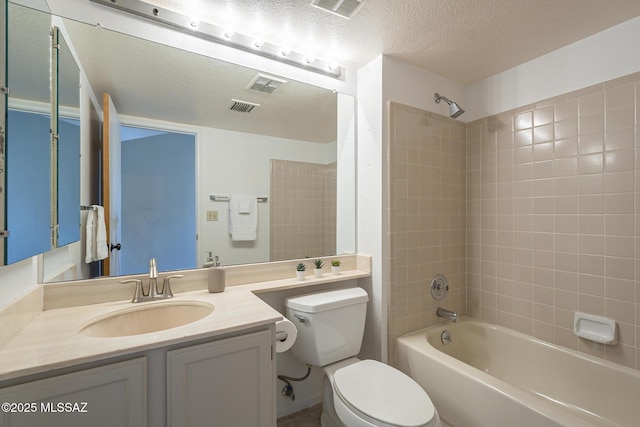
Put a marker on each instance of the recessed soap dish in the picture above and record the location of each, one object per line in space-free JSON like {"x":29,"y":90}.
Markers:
{"x":595,"y":328}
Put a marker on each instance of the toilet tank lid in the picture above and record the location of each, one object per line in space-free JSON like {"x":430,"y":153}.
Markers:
{"x":323,"y":301}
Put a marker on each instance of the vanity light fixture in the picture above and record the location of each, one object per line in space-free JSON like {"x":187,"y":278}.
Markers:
{"x":225,"y":36}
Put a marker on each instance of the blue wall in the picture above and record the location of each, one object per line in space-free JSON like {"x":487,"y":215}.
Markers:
{"x":28,"y":185}
{"x":68,"y":181}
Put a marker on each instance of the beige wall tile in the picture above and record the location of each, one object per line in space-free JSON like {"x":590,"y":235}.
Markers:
{"x":546,"y":199}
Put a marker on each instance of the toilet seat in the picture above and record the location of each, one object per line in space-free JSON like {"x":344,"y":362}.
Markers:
{"x":383,"y":395}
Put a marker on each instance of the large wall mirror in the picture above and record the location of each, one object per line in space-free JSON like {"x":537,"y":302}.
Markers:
{"x":28,"y":192}
{"x":195,"y":137}
{"x":43,"y":138}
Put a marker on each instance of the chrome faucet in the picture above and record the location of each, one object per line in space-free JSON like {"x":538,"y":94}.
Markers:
{"x":447,"y":314}
{"x":152,"y":291}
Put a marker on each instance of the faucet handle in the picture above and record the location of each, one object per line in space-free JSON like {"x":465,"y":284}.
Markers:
{"x":166,"y":285}
{"x":138,"y":295}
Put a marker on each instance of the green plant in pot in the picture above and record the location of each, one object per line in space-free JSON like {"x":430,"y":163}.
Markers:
{"x":317,"y":267}
{"x":300,"y":271}
{"x":335,"y":266}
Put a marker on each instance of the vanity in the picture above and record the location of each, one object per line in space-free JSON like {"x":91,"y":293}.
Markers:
{"x":186,"y":361}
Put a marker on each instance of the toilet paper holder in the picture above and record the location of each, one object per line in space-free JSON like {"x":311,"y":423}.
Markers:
{"x":285,"y":335}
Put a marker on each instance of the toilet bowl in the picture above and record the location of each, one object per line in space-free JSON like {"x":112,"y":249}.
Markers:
{"x":357,"y":393}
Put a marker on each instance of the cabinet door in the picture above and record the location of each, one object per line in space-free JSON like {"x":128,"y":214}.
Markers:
{"x":226,"y":383}
{"x":108,"y":396}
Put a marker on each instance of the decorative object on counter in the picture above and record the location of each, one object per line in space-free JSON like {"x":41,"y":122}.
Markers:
{"x":317,"y":264}
{"x":335,"y":266}
{"x":216,"y":279}
{"x":300,"y":271}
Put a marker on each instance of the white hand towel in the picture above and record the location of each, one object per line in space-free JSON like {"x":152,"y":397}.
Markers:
{"x":243,"y":222}
{"x":101,"y":248}
{"x":90,"y":236}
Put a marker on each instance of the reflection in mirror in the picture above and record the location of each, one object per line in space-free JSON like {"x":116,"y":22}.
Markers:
{"x":286,"y":149}
{"x":68,"y":158}
{"x":28,"y":138}
{"x":3,"y":127}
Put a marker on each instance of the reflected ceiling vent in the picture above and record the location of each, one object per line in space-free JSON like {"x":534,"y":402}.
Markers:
{"x":265,"y":83}
{"x":241,"y":106}
{"x":344,"y":8}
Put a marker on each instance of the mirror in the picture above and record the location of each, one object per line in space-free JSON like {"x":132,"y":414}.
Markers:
{"x":296,"y":161}
{"x":68,"y":147}
{"x":28,"y":165}
{"x":43,"y":177}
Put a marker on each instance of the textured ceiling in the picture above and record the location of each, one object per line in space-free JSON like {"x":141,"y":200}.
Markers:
{"x":159,"y":82}
{"x":464,"y":40}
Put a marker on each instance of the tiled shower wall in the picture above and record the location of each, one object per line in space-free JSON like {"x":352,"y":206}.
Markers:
{"x":426,"y":217}
{"x":302,"y":210}
{"x":553,"y":217}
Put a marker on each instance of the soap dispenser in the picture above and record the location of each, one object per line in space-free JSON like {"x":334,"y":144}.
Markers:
{"x":216,"y":277}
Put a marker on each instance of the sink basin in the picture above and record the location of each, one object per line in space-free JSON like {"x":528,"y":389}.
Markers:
{"x":146,"y":319}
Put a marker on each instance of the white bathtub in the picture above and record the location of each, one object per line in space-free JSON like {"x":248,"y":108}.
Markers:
{"x":490,"y":376}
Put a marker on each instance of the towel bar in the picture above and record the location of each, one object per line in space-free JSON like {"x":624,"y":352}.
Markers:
{"x":214,"y":198}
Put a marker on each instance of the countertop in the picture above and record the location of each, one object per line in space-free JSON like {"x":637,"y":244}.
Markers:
{"x":52,"y":341}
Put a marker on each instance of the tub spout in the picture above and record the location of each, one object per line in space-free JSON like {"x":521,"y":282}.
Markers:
{"x":447,"y":314}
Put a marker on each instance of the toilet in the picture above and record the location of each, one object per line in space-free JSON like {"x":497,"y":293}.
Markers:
{"x":356,"y":393}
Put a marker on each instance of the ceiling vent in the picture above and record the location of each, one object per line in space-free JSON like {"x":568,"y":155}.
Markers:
{"x":265,"y":83}
{"x":241,"y":106}
{"x":344,"y":8}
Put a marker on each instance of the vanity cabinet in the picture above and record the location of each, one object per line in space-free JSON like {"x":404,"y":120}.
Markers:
{"x":113,"y":395}
{"x":217,"y":382}
{"x":226,"y":383}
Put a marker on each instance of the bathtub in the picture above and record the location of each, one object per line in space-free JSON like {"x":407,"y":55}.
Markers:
{"x":490,"y":376}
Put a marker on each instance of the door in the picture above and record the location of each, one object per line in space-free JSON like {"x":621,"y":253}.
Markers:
{"x":158,"y":200}
{"x":111,"y":183}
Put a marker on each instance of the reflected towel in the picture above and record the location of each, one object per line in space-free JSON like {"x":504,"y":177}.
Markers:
{"x":102,"y":250}
{"x":90,"y":236}
{"x":243,"y":217}
{"x":96,"y":238}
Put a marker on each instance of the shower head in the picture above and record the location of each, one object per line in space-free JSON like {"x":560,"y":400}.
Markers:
{"x":454,"y":109}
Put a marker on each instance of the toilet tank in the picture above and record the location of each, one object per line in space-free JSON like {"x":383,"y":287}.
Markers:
{"x":330,"y":325}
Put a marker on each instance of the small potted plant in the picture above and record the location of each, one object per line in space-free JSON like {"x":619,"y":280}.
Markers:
{"x":318,"y":264}
{"x":300,"y":271}
{"x":335,"y":266}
